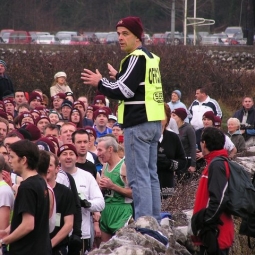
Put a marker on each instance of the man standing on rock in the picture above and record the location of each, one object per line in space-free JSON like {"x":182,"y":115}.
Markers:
{"x":141,"y":109}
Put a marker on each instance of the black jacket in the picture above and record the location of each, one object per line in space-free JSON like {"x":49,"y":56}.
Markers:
{"x":5,"y":84}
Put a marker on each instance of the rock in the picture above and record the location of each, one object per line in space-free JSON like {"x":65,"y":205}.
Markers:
{"x":147,"y":222}
{"x":133,"y":250}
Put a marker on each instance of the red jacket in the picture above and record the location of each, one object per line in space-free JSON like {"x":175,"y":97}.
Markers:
{"x":211,"y":194}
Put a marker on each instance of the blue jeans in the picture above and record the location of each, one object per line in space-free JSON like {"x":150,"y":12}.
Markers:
{"x":141,"y":143}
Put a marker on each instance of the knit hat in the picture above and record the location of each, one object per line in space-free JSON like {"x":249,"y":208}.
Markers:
{"x":6,"y":101}
{"x":67,"y":103}
{"x":100,"y":111}
{"x":92,"y":107}
{"x":2,"y":106}
{"x":3,"y":63}
{"x":49,"y":142}
{"x":209,"y":115}
{"x":25,"y":133}
{"x":25,"y":115}
{"x":133,"y":24}
{"x":3,"y":115}
{"x":65,"y":147}
{"x":112,"y":117}
{"x":41,"y":117}
{"x":91,"y":130}
{"x":180,"y":112}
{"x":116,"y":124}
{"x":217,"y":121}
{"x":34,"y":95}
{"x":178,"y":93}
{"x":60,"y":74}
{"x":99,"y":99}
{"x":79,"y":102}
{"x":34,"y":131}
{"x":42,"y":146}
{"x":53,"y":139}
{"x":58,"y":96}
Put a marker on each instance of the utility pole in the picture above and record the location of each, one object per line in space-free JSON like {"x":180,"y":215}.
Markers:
{"x":250,"y":22}
{"x":172,"y":21}
{"x":195,"y":17}
{"x":185,"y":23}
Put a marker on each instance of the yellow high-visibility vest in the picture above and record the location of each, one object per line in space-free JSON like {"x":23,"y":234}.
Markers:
{"x":154,"y":102}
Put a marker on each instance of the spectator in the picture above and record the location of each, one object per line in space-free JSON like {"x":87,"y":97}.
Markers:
{"x":57,"y":101}
{"x":202,"y":104}
{"x":117,"y":194}
{"x":101,"y":120}
{"x":246,"y":116}
{"x":140,"y":118}
{"x":19,"y":98}
{"x":117,"y":130}
{"x":89,"y":113}
{"x":176,"y":102}
{"x":80,"y":139}
{"x":41,"y":122}
{"x":209,"y":215}
{"x":25,"y":118}
{"x":112,"y":119}
{"x":235,"y":135}
{"x":6,"y":202}
{"x":23,"y":107}
{"x":51,"y":129}
{"x":66,"y":131}
{"x":54,"y":117}
{"x":65,"y":208}
{"x":9,"y":106}
{"x":5,"y":81}
{"x":90,"y":195}
{"x":4,"y":129}
{"x":76,"y":118}
{"x":66,"y":108}
{"x":170,"y":158}
{"x":188,"y":139}
{"x":92,"y":139}
{"x":84,"y":99}
{"x":35,"y":100}
{"x":29,"y":232}
{"x":81,"y":106}
{"x":59,"y":85}
{"x":99,"y":101}
{"x":70,"y":96}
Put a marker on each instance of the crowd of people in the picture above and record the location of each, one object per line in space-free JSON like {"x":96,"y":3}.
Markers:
{"x":73,"y":172}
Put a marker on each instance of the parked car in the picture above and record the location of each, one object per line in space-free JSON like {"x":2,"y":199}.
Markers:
{"x":191,"y":38}
{"x":178,"y":38}
{"x":99,"y":38}
{"x":64,"y":35}
{"x":234,"y":32}
{"x":35,"y":34}
{"x":211,"y":40}
{"x":158,"y":39}
{"x":5,"y":31}
{"x":5,"y":37}
{"x":112,"y":38}
{"x":20,"y":37}
{"x":147,"y":39}
{"x":79,"y":40}
{"x":224,"y":37}
{"x":45,"y":39}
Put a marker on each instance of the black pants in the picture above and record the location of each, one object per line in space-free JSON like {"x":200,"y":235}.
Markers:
{"x":221,"y":252}
{"x":59,"y":250}
{"x":85,"y":245}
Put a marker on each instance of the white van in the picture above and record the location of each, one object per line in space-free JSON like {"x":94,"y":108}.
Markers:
{"x":234,"y":32}
{"x":65,"y":34}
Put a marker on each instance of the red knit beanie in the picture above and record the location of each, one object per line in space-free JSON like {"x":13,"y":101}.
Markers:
{"x":133,"y":24}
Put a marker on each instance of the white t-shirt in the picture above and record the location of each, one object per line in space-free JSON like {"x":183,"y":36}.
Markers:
{"x":87,"y":188}
{"x":6,"y":195}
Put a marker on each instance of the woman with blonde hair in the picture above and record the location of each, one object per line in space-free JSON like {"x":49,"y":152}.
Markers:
{"x":59,"y":85}
{"x":235,"y":134}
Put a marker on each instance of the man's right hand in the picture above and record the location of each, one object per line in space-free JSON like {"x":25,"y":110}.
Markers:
{"x":112,"y":71}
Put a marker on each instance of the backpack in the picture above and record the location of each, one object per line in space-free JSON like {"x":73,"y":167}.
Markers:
{"x":241,"y":191}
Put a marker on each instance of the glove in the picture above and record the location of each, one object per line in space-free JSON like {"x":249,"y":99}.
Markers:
{"x":85,"y":203}
{"x":74,"y":245}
